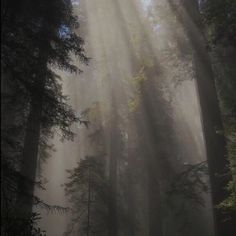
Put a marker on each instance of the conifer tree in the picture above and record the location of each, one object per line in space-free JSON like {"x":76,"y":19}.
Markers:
{"x":38,"y":36}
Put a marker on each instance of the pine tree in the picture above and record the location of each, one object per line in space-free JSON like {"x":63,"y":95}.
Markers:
{"x":34,"y":42}
{"x":87,"y":189}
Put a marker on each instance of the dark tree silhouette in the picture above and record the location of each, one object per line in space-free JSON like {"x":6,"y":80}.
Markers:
{"x":34,"y":42}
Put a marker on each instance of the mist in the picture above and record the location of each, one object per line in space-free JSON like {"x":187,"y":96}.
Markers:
{"x":118,"y":118}
{"x":140,"y":93}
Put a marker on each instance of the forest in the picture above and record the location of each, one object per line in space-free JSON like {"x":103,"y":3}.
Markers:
{"x":118,"y":118}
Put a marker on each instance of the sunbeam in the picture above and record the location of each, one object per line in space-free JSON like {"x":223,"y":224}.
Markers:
{"x":118,"y":117}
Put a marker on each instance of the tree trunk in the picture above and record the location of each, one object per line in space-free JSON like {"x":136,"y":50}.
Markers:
{"x":130,"y":191}
{"x":89,"y":201}
{"x":31,"y":141}
{"x":131,"y":205}
{"x":30,"y":154}
{"x":112,"y":221}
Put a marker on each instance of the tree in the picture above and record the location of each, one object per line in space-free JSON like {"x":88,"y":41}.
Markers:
{"x":189,"y":15}
{"x":87,"y":189}
{"x":185,"y":194}
{"x":220,"y":17}
{"x":220,"y":22}
{"x":34,"y":43}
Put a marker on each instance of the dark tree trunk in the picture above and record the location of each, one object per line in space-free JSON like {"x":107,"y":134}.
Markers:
{"x":131,"y":183}
{"x":131,"y":205}
{"x":112,"y":221}
{"x":89,"y":201}
{"x":152,"y":155}
{"x":29,"y":161}
{"x":215,"y":145}
{"x":30,"y":154}
{"x":155,"y":206}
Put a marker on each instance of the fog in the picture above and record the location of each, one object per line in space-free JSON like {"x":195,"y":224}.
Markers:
{"x":139,"y":93}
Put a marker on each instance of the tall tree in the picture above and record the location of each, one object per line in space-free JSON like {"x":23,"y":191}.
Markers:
{"x":220,"y":20}
{"x":115,"y":148}
{"x":189,"y":15}
{"x":34,"y":42}
{"x":87,"y":188}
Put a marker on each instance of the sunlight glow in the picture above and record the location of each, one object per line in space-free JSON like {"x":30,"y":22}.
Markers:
{"x":129,"y":50}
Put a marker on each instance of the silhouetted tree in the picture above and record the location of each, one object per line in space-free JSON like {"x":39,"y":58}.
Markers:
{"x":220,"y":19}
{"x":87,"y":189}
{"x":37,"y":37}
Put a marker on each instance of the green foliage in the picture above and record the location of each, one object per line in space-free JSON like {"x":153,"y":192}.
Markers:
{"x":229,"y":204}
{"x":37,"y":38}
{"x":13,"y":225}
{"x":36,"y":41}
{"x":220,"y":21}
{"x":221,"y":18}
